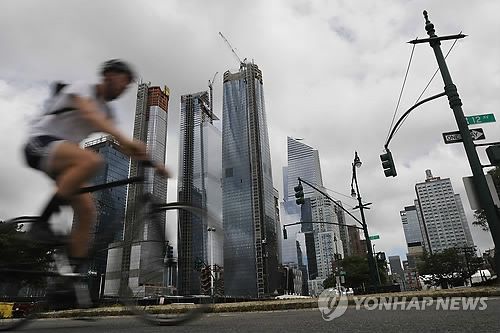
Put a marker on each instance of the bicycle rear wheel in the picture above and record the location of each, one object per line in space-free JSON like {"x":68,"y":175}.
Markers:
{"x":16,"y":306}
{"x":144,"y":295}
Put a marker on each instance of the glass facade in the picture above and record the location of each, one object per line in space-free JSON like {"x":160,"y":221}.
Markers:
{"x":411,"y":225}
{"x":250,"y":235}
{"x":320,"y":241}
{"x":199,"y":183}
{"x":110,"y":203}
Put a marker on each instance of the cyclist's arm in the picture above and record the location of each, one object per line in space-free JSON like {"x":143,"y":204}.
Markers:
{"x":88,"y":110}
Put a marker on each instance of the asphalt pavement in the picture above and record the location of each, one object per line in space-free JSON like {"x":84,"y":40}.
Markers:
{"x":310,"y":320}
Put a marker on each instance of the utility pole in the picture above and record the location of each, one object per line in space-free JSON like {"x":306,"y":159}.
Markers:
{"x":450,"y":89}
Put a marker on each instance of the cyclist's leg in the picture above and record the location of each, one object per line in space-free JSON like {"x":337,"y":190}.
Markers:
{"x":84,"y":209}
{"x":73,"y":167}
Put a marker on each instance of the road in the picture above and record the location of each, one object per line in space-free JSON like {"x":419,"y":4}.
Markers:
{"x":362,"y":320}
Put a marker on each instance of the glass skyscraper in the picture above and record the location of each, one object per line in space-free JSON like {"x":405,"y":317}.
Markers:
{"x":110,"y":205}
{"x":199,"y":183}
{"x":318,"y":242}
{"x":250,"y":253}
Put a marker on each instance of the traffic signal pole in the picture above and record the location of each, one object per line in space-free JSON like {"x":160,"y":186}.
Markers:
{"x":450,"y":89}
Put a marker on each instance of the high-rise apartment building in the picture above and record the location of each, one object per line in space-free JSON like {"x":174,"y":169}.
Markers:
{"x":441,"y":215}
{"x":110,"y":206}
{"x":327,"y":242}
{"x":139,"y":259}
{"x":250,"y":253}
{"x":200,"y":184}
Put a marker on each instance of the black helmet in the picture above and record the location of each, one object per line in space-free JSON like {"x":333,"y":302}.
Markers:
{"x":118,"y":66}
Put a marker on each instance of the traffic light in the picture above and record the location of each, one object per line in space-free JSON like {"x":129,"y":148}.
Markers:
{"x":380,"y":256}
{"x":493,"y":153}
{"x":299,"y":194}
{"x":388,"y":164}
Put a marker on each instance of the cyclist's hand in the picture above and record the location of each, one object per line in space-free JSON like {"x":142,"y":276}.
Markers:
{"x":162,"y":170}
{"x":135,"y":149}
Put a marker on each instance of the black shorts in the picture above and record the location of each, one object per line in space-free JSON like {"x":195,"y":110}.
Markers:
{"x":38,"y":152}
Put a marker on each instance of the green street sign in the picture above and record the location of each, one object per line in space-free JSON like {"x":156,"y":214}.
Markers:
{"x":342,"y":273}
{"x":374,"y":237}
{"x":481,"y":118}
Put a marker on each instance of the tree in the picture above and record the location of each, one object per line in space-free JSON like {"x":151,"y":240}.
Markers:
{"x":450,"y":267}
{"x":18,"y":252}
{"x":357,"y":272}
{"x":479,"y":215}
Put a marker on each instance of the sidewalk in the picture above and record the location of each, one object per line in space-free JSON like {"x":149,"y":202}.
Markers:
{"x":276,"y":305}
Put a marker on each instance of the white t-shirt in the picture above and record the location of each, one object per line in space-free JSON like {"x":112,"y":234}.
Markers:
{"x":68,"y":125}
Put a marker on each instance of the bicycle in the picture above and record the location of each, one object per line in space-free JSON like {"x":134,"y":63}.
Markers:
{"x":59,"y":268}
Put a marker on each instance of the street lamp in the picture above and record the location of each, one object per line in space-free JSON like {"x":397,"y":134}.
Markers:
{"x":355,"y":192}
{"x":212,"y":270}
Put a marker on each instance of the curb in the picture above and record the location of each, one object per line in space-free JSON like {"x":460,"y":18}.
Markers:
{"x":272,"y":305}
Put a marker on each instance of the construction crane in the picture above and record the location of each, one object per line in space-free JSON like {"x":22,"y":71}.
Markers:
{"x":210,"y":86}
{"x":242,"y":63}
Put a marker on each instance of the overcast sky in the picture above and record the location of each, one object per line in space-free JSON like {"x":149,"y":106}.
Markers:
{"x":332,"y":74}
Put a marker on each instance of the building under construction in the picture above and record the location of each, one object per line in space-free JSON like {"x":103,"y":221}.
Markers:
{"x":250,"y":235}
{"x":199,"y":241}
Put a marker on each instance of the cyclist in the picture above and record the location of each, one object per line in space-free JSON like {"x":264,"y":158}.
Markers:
{"x":70,"y":116}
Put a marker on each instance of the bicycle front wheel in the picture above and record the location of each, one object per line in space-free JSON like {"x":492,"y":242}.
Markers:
{"x":145,"y":294}
{"x":16,"y":274}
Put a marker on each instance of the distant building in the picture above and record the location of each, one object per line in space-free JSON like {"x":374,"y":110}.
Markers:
{"x":395,"y":264}
{"x":441,"y":215}
{"x":413,"y":234}
{"x":357,"y":246}
{"x":110,"y":207}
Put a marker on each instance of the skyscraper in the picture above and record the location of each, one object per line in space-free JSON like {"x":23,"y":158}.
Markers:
{"x":200,"y":184}
{"x":110,"y":206}
{"x":142,"y":256}
{"x":322,"y":241}
{"x":441,"y":215}
{"x":250,"y":253}
{"x":413,"y":234}
{"x":327,"y":242}
{"x":303,"y":162}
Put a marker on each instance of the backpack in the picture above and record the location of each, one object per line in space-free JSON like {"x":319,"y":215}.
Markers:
{"x":57,"y":86}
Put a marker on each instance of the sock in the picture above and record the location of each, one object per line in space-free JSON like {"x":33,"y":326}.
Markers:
{"x":52,"y":207}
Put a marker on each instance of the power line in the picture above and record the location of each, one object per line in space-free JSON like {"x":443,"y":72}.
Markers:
{"x":401,"y":92}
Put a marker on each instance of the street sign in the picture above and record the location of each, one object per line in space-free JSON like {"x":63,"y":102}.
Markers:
{"x":481,"y":118}
{"x":374,"y":237}
{"x":454,"y":137}
{"x":342,"y":273}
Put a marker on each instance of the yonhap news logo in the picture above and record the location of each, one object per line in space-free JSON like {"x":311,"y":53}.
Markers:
{"x":332,"y":303}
